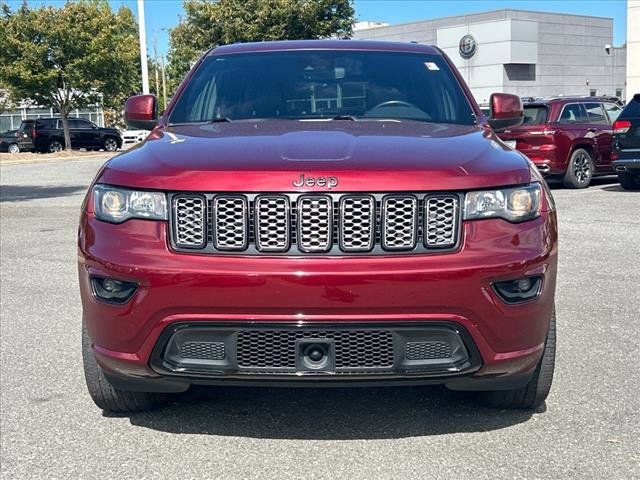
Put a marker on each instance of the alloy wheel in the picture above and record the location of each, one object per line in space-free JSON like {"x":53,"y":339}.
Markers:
{"x":55,"y":146}
{"x":110,"y":145}
{"x":581,"y":168}
{"x":13,"y":148}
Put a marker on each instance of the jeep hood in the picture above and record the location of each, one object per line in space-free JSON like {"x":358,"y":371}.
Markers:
{"x":363,"y":156}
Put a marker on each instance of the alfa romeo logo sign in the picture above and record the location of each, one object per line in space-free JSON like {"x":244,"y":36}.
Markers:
{"x":468,"y":46}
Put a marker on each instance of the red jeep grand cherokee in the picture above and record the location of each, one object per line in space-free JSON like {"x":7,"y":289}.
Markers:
{"x":319,"y":213}
{"x":567,"y":137}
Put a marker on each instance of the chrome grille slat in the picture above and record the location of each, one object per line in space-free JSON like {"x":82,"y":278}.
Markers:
{"x":357,"y":223}
{"x":272,"y":221}
{"x":441,"y":221}
{"x":230,"y":222}
{"x":399,"y":222}
{"x":331,"y":223}
{"x":315,"y":223}
{"x":189,"y":219}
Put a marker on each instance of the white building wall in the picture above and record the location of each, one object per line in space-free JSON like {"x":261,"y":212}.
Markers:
{"x":633,"y":47}
{"x":568,"y":51}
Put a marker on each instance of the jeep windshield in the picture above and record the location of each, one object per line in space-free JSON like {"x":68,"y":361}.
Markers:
{"x":323,"y":85}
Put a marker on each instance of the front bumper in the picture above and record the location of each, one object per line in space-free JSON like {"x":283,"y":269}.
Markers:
{"x":504,"y":342}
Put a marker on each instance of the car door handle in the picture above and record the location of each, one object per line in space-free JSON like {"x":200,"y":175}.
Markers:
{"x":592,"y":130}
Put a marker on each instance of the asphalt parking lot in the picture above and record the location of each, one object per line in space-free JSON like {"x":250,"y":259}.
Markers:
{"x":51,"y":429}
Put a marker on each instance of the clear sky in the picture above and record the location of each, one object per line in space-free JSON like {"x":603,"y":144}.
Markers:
{"x":161,"y":15}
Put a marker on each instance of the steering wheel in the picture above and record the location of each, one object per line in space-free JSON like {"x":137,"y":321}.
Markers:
{"x":393,"y":103}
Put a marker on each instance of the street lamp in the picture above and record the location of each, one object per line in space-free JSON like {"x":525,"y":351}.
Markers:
{"x":610,"y":51}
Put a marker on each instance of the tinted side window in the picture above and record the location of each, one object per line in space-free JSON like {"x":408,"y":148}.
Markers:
{"x":26,"y":127}
{"x":613,"y":111}
{"x":596,"y":114}
{"x":84,"y":124}
{"x":535,"y":114}
{"x":573,"y":113}
{"x":46,"y":123}
{"x":73,"y":123}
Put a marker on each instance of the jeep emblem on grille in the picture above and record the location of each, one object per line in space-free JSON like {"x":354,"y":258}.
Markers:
{"x":303,"y":181}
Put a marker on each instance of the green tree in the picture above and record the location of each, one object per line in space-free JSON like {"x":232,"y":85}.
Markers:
{"x":207,"y":24}
{"x":69,"y":57}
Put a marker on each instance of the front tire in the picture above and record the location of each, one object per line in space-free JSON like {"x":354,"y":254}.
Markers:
{"x":534,"y":393}
{"x":580,"y":169}
{"x":13,"y":148}
{"x":629,"y":182}
{"x":110,"y":144}
{"x":104,"y":395}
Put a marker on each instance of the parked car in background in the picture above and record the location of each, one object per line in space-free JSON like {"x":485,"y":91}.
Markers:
{"x":9,"y":141}
{"x":47,"y":135}
{"x":626,"y":145}
{"x":131,"y":137}
{"x":567,"y":137}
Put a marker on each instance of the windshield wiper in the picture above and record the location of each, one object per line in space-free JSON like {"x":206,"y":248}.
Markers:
{"x":344,"y":117}
{"x":311,"y":118}
{"x":200,"y":122}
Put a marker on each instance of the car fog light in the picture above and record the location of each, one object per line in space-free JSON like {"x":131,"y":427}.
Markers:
{"x":520,"y":290}
{"x":111,"y":290}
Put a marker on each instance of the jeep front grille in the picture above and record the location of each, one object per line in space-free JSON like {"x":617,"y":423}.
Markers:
{"x":312,"y":224}
{"x":189,"y":221}
{"x":272,"y":222}
{"x":399,"y":222}
{"x":440,"y":221}
{"x":230,"y":222}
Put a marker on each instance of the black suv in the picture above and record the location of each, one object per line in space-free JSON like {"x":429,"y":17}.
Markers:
{"x":626,"y":145}
{"x":47,"y":135}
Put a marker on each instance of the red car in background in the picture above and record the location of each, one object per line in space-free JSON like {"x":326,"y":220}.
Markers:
{"x":567,"y":137}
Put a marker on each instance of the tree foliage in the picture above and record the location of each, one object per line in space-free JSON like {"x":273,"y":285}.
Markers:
{"x":207,"y":24}
{"x":69,"y":57}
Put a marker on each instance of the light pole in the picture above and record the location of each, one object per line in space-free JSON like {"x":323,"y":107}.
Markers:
{"x":164,"y":85}
{"x":143,"y":47}
{"x":610,"y":51}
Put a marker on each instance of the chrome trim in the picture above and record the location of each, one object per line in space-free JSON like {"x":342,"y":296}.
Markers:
{"x":385,"y":220}
{"x":257,"y":219}
{"x":372,"y":223}
{"x":329,"y":226}
{"x":216,"y":226}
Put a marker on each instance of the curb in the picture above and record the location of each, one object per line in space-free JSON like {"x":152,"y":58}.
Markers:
{"x":17,"y":161}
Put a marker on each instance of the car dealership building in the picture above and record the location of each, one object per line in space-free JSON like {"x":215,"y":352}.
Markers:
{"x":533,"y":54}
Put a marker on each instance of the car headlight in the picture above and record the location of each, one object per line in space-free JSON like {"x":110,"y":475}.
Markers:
{"x":513,"y":204}
{"x":115,"y":204}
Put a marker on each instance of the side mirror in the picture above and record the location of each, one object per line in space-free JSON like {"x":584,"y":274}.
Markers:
{"x":506,"y":111}
{"x":140,"y":112}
